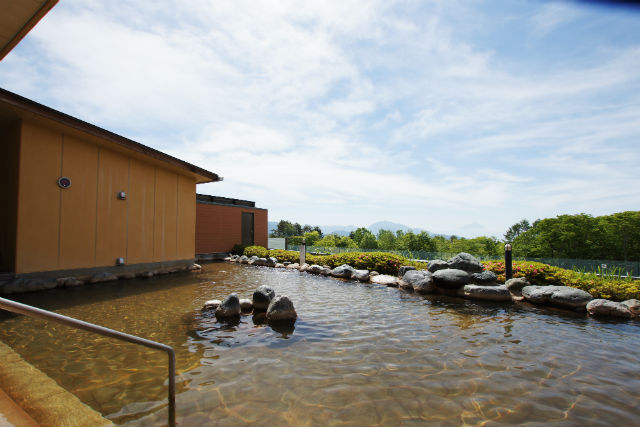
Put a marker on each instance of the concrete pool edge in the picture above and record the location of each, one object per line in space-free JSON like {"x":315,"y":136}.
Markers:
{"x":41,"y":397}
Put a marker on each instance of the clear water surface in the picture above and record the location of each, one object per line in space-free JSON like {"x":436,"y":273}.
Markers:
{"x":360,"y":354}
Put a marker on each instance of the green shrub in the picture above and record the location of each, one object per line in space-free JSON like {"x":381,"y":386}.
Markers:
{"x":237,"y":249}
{"x":382,"y":262}
{"x":258,"y":251}
{"x":283,"y":256}
{"x":613,"y":288}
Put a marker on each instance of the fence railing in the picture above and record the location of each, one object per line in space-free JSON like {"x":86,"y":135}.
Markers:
{"x":30,"y":311}
{"x":623,"y":268}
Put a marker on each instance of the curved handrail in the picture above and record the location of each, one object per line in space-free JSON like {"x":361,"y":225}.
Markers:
{"x":28,"y":310}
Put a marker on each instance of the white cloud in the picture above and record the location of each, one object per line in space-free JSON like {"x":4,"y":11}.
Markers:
{"x":347,"y":112}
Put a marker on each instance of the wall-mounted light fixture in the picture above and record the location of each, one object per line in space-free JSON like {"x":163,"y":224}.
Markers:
{"x":120,"y":261}
{"x":64,"y":182}
{"x":122,"y":195}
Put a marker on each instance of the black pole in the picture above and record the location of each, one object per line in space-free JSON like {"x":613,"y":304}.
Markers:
{"x":508,"y":268}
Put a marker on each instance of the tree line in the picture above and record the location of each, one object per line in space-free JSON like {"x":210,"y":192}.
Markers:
{"x":388,"y":240}
{"x":581,"y":236}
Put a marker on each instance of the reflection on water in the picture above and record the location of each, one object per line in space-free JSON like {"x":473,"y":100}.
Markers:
{"x":359,"y":354}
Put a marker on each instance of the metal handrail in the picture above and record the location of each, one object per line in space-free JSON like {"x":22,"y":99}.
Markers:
{"x":28,"y":310}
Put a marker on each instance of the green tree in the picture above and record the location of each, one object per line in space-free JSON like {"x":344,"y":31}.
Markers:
{"x":368,"y":241}
{"x":311,"y":237}
{"x":516,"y":229}
{"x":386,"y":240}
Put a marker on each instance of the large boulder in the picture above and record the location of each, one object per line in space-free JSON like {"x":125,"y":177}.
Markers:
{"x":229,"y":307}
{"x":243,"y":259}
{"x":253,"y":260}
{"x":262,"y":297}
{"x":385,"y":279}
{"x":281,"y":308}
{"x":560,"y":296}
{"x":451,"y":278}
{"x":403,"y":269}
{"x":246,"y":305}
{"x":360,"y":275}
{"x":485,"y":278}
{"x":326,"y":271}
{"x":488,"y":293}
{"x":314,"y":269}
{"x":634,"y":306}
{"x":294,"y":266}
{"x":604,"y":307}
{"x":465,"y":262}
{"x":304,"y":267}
{"x":344,"y":271}
{"x":437,"y":264}
{"x":212,"y":304}
{"x":420,"y":281}
{"x":271,"y":262}
{"x":516,"y":285}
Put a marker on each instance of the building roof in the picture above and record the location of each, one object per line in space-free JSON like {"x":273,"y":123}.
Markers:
{"x":18,"y":17}
{"x":14,"y":107}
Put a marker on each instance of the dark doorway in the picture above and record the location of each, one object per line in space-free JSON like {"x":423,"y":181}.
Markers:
{"x":247,"y":228}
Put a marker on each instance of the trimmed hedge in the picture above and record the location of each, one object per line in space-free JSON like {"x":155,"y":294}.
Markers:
{"x":258,"y":251}
{"x":611,"y":288}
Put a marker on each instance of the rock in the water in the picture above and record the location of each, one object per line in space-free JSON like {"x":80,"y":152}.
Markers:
{"x":281,"y":308}
{"x":465,"y":262}
{"x":102,"y":277}
{"x":326,"y":271}
{"x":69,"y":282}
{"x":254,"y":260}
{"x":634,"y":306}
{"x":212,"y":304}
{"x":271,"y":262}
{"x":360,"y":275}
{"x":293,"y":266}
{"x":246,"y":305}
{"x":243,"y":259}
{"x":437,"y":264}
{"x":604,"y":307}
{"x":279,"y":265}
{"x":515,"y":285}
{"x":262,"y":297}
{"x":484,"y":278}
{"x":230,"y":306}
{"x":419,"y":280}
{"x":488,"y":293}
{"x":304,"y":267}
{"x":385,"y":279}
{"x":195,"y":267}
{"x":344,"y":271}
{"x":373,"y":273}
{"x":560,"y":296}
{"x":314,"y":269}
{"x":403,"y":269}
{"x":451,"y":278}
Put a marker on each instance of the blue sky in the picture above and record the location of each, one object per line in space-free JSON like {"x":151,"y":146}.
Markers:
{"x":459,"y":117}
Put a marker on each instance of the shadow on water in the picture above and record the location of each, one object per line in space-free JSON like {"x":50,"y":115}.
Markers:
{"x":61,"y":298}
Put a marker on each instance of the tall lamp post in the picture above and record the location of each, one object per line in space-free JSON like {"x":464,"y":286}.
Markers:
{"x":508,"y":268}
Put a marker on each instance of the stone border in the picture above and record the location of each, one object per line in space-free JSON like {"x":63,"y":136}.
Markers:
{"x":464,"y":276}
{"x":31,"y":282}
{"x":41,"y":397}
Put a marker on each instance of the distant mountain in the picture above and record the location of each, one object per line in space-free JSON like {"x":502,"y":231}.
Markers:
{"x":391,"y":226}
{"x":340,"y":230}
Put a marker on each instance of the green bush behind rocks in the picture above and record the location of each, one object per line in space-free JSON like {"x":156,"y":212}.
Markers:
{"x":604,"y":286}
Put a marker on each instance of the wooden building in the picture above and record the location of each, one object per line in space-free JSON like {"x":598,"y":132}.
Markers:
{"x":223,"y":222}
{"x":79,"y":199}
